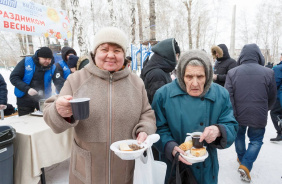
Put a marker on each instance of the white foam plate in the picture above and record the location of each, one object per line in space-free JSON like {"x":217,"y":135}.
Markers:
{"x":192,"y":159}
{"x":128,"y":155}
{"x":37,"y":113}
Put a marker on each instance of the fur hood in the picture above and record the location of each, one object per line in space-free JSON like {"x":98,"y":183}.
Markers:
{"x":82,"y":58}
{"x":195,"y":55}
{"x":222,"y":52}
{"x":216,"y":50}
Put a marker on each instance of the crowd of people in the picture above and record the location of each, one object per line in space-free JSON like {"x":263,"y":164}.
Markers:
{"x":177,"y":93}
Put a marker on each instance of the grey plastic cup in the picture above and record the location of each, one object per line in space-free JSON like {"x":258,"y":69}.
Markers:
{"x":80,"y":108}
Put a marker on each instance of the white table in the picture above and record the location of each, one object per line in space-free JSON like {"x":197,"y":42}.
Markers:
{"x":36,"y":147}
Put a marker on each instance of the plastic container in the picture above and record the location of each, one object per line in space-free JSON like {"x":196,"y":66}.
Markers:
{"x":41,"y":104}
{"x":7,"y":134}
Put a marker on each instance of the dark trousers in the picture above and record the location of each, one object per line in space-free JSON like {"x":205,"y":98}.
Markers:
{"x":25,"y":110}
{"x":276,"y":111}
{"x":155,"y":153}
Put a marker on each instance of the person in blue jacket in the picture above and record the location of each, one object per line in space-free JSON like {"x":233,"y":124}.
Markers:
{"x":32,"y":78}
{"x":62,"y":65}
{"x":193,"y":103}
{"x":277,"y":108}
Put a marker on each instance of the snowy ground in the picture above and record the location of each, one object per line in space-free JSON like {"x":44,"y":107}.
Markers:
{"x":266,"y":170}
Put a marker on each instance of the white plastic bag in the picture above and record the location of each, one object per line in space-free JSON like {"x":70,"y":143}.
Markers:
{"x":149,"y":171}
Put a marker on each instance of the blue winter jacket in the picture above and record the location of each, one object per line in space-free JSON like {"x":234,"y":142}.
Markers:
{"x":65,"y":68}
{"x":178,"y":113}
{"x":28,"y":75}
{"x":278,"y":78}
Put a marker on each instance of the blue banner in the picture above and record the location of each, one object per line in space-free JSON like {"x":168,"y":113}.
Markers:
{"x":134,"y":51}
{"x":145,"y":53}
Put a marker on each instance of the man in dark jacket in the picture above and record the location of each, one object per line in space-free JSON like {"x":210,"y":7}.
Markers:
{"x":32,"y":79}
{"x":3,"y":93}
{"x":252,"y":90}
{"x":277,"y":109}
{"x":62,"y":65}
{"x":156,"y":72}
{"x":223,"y":63}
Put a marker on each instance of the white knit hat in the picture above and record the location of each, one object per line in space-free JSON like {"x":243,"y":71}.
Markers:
{"x":110,"y":35}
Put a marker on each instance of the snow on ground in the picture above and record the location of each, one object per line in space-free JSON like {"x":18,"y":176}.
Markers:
{"x":267,"y":169}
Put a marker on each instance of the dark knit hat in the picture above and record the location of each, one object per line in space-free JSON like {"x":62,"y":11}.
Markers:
{"x":72,"y":61}
{"x":45,"y":52}
{"x":128,"y":58}
{"x":176,"y":47}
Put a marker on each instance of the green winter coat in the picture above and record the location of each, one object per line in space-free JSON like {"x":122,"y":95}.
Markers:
{"x":178,"y":113}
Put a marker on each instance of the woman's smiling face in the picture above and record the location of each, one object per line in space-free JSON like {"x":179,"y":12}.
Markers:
{"x":109,"y":57}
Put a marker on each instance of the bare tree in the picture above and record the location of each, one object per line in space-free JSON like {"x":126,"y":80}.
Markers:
{"x":78,"y":27}
{"x":111,"y":10}
{"x":266,"y":26}
{"x":133,"y":22}
{"x":10,"y":49}
{"x":30,"y":44}
{"x":198,"y":35}
{"x":93,"y":14}
{"x":188,"y":6}
{"x":140,"y":20}
{"x":244,"y":29}
{"x":22,"y":45}
{"x":276,"y":34}
{"x":258,"y":24}
{"x":232,"y":37}
{"x":152,"y":19}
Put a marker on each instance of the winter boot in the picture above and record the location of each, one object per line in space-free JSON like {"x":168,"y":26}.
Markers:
{"x":244,"y":173}
{"x":278,"y":138}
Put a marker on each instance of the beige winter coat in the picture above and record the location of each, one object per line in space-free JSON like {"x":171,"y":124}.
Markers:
{"x":119,"y":109}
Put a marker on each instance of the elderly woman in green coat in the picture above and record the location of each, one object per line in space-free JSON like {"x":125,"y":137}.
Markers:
{"x":192,"y":103}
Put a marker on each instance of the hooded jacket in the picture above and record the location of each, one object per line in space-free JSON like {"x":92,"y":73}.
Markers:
{"x":223,"y":64}
{"x":3,"y":91}
{"x":119,"y":110}
{"x":252,"y":88}
{"x":156,"y":72}
{"x":178,"y":113}
{"x":82,"y":62}
{"x":36,"y":83}
{"x":62,"y":65}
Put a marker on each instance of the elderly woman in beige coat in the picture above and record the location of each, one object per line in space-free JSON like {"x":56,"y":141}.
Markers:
{"x":119,"y":109}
